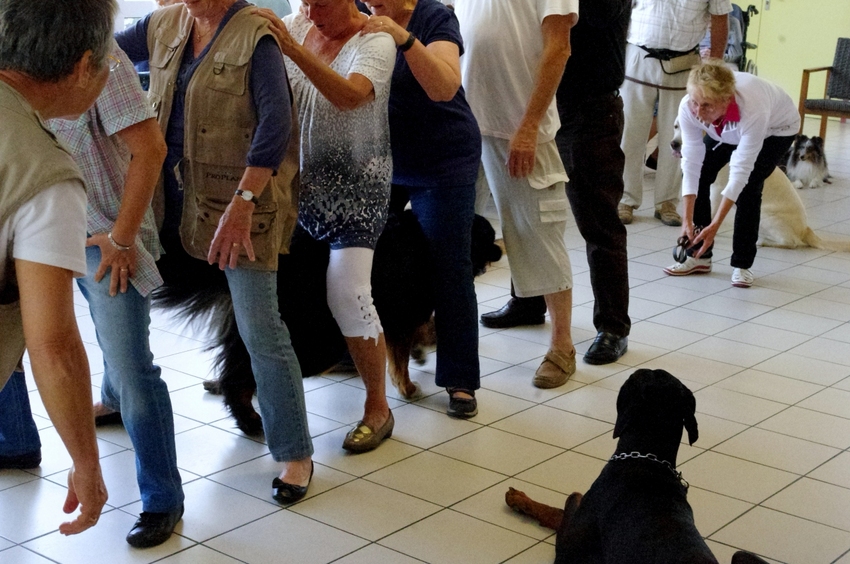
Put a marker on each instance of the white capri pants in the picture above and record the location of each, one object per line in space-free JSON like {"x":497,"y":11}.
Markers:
{"x":349,"y":286}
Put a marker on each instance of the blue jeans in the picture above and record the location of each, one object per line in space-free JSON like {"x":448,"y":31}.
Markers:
{"x":18,"y":433}
{"x":445,"y":214}
{"x":132,"y":385}
{"x":280,"y":389}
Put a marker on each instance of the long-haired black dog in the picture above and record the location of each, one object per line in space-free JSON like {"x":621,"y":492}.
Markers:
{"x":401,"y":287}
{"x":637,"y":509}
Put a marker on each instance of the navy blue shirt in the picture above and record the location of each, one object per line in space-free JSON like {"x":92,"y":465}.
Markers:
{"x":433,"y":143}
{"x":267,"y":83}
{"x":269,"y":89}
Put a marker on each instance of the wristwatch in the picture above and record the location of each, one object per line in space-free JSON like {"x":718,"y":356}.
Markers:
{"x":248,"y":196}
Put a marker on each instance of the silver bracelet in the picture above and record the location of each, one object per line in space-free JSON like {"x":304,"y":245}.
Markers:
{"x":116,"y":245}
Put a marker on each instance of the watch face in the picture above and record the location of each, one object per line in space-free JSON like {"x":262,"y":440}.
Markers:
{"x":247,"y":195}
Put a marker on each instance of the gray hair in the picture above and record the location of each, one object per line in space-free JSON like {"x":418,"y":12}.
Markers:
{"x":46,"y":38}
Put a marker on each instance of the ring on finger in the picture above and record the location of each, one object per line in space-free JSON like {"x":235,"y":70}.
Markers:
{"x":235,"y":244}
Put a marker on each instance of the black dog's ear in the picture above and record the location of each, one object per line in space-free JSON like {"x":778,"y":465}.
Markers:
{"x":689,"y":408}
{"x":629,"y":396}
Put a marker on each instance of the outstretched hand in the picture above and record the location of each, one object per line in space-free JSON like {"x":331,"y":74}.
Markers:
{"x":87,"y":491}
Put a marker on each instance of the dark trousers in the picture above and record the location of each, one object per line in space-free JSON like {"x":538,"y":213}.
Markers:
{"x":589,"y":144}
{"x":748,"y":205}
{"x":446,"y":214}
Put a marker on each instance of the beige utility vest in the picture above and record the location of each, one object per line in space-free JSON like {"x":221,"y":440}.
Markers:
{"x":219,"y":124}
{"x":31,"y":159}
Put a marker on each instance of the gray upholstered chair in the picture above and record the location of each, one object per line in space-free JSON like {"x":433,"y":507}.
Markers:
{"x":836,"y":96}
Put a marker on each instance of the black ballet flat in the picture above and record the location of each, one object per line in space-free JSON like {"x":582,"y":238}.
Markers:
{"x":285,"y":494}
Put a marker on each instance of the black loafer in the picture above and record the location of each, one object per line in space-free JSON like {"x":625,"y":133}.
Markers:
{"x":606,"y":348}
{"x":285,"y":494}
{"x":25,"y":461}
{"x":153,"y":529}
{"x":518,"y":311}
{"x":461,"y":408}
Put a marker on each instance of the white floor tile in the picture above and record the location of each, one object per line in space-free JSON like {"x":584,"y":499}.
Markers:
{"x":734,"y":477}
{"x":283,"y":533}
{"x":497,"y":450}
{"x":366,"y":509}
{"x":435,"y":478}
{"x":784,"y":537}
{"x":450,"y":537}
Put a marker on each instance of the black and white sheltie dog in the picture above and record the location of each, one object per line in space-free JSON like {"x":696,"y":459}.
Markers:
{"x":806,"y":165}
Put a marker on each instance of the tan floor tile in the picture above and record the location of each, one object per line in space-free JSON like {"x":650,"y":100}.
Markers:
{"x":553,"y":426}
{"x":735,"y":478}
{"x":778,"y":451}
{"x":811,"y":426}
{"x":740,"y":408}
{"x":713,"y":511}
{"x":836,"y":471}
{"x":769,"y":386}
{"x":435,"y":478}
{"x":567,"y":473}
{"x":784,"y":537}
{"x":365,"y":509}
{"x":816,"y":501}
{"x":498,"y":451}
{"x":450,"y":537}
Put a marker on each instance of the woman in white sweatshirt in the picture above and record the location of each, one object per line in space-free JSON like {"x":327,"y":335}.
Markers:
{"x":749,"y":123}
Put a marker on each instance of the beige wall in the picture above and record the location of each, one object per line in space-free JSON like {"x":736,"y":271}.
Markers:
{"x":796,"y":34}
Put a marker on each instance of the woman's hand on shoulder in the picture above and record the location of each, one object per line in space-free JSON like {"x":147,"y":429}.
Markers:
{"x":278,"y":29}
{"x":377,"y":24}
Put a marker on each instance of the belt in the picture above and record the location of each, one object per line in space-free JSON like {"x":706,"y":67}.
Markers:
{"x":666,"y":54}
{"x":658,"y":86}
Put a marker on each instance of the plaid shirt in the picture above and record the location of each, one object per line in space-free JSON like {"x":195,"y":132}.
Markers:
{"x":678,"y":25}
{"x":103,"y":158}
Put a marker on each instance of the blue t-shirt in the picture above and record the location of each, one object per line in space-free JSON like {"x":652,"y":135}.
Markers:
{"x":433,"y":143}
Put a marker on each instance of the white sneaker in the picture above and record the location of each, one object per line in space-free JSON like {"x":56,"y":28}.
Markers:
{"x":690,"y":266}
{"x":742,"y":278}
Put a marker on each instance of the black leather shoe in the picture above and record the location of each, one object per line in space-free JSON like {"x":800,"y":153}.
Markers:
{"x":284,"y":493}
{"x":23,"y":461}
{"x":606,"y":348}
{"x":153,"y":529}
{"x":461,"y":408}
{"x":515,"y":313}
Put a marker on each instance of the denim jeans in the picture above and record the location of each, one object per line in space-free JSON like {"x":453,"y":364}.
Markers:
{"x":280,"y":390}
{"x":132,"y":385}
{"x":445,"y":214}
{"x":18,"y":433}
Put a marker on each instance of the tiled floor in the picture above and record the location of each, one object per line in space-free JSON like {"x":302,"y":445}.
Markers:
{"x":770,"y":367}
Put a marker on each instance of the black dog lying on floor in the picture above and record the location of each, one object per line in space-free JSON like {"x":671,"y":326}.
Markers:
{"x":637,"y":510}
{"x":401,"y":289}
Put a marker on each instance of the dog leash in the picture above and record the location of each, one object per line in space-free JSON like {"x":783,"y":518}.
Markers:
{"x":653,"y":458}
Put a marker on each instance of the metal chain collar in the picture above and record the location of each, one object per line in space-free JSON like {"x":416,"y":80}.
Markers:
{"x":653,"y":458}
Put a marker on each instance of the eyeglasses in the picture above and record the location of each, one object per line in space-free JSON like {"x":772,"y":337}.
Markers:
{"x":113,"y":62}
{"x":705,"y":106}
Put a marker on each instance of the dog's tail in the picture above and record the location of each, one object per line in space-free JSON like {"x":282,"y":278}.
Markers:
{"x":812,"y":239}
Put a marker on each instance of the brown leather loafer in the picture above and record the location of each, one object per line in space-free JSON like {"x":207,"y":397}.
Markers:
{"x":555,"y":370}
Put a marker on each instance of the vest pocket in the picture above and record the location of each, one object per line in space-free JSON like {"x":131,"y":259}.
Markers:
{"x":222,"y":145}
{"x":209,"y":214}
{"x":229,"y":73}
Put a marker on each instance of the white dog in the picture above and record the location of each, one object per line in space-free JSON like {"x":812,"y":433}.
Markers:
{"x":784,"y":222}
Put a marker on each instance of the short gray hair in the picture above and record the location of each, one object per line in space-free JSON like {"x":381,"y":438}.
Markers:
{"x":46,"y":38}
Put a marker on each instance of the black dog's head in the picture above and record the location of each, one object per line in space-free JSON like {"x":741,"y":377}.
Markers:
{"x":656,"y":402}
